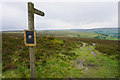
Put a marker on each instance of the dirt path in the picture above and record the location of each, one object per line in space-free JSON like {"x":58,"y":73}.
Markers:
{"x":93,"y":53}
{"x":84,"y":44}
{"x":94,"y":64}
{"x":80,"y":62}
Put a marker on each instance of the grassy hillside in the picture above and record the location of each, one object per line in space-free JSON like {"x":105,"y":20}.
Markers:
{"x":99,"y":30}
{"x":107,"y":33}
{"x":98,"y":33}
{"x":95,"y":65}
{"x":68,"y":33}
{"x":60,"y":57}
{"x":106,"y":30}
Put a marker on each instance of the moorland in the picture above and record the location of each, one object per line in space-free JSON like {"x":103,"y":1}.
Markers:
{"x":62,"y":54}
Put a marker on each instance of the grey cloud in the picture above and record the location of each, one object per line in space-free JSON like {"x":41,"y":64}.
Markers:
{"x":76,"y":12}
{"x":61,"y":14}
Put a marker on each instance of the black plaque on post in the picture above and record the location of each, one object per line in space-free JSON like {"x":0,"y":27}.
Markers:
{"x":29,"y":37}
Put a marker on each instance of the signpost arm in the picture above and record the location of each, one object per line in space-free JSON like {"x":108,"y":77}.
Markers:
{"x":38,"y":12}
{"x":31,"y":48}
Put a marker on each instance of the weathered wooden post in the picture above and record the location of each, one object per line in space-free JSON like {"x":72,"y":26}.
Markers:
{"x":31,"y":48}
{"x":30,"y":36}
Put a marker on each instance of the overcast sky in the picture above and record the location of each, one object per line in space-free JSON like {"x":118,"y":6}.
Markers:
{"x":61,"y":15}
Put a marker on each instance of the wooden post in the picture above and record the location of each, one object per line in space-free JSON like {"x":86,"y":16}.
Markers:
{"x":31,"y":48}
{"x":31,"y":11}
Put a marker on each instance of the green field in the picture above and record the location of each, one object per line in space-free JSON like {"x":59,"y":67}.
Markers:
{"x":68,"y":34}
{"x":109,"y":34}
{"x":60,"y":56}
{"x":97,"y":33}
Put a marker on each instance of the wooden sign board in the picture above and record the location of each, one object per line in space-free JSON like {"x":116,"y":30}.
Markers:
{"x":30,"y":37}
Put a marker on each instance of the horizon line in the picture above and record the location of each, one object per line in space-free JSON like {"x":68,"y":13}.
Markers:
{"x":59,"y":29}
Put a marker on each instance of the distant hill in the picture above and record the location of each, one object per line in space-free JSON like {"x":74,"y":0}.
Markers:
{"x":99,"y":30}
{"x":99,"y":33}
{"x":106,"y":30}
{"x":103,"y":30}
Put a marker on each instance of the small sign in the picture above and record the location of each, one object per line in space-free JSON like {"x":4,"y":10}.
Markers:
{"x":30,"y":37}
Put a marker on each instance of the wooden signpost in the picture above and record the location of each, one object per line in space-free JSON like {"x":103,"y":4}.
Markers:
{"x":30,"y":36}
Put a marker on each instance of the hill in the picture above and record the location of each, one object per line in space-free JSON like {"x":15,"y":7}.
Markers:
{"x":60,"y":57}
{"x":99,"y":33}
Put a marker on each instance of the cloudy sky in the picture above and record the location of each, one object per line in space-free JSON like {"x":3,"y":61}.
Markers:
{"x":61,"y":15}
